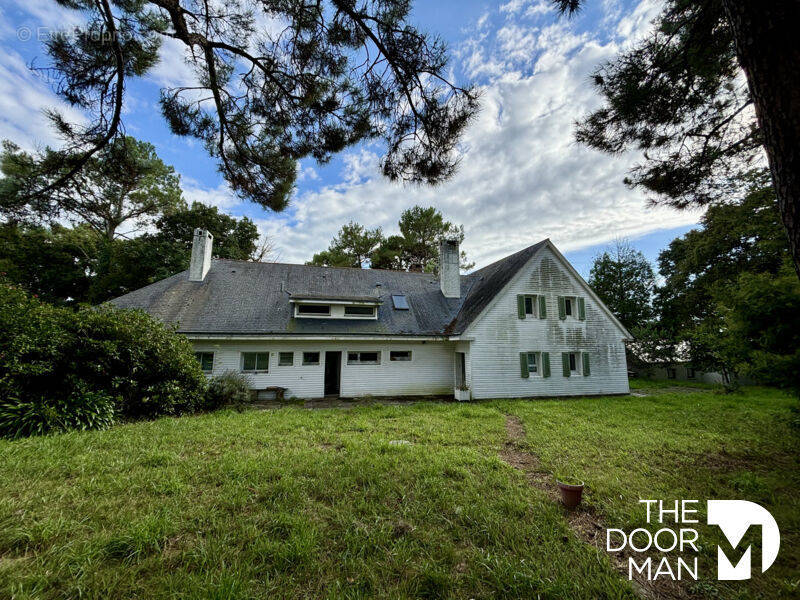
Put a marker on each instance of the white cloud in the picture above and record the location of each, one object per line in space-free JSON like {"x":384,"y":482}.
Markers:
{"x":522,"y":178}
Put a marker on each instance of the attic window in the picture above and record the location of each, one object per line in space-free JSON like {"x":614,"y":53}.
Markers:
{"x":313,"y":309}
{"x":359,"y":311}
{"x":399,"y":301}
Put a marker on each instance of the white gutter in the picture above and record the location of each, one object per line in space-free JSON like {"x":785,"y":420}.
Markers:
{"x":318,"y":338}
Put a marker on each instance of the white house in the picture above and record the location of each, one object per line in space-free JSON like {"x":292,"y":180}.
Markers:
{"x":525,"y":326}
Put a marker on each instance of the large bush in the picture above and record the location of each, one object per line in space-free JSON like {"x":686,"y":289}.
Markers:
{"x":230,"y":388}
{"x":52,"y":357}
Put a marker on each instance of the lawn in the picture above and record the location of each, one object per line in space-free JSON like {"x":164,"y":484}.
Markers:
{"x":383,"y":501}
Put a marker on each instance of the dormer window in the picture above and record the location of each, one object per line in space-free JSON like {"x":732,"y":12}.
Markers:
{"x":314,"y":309}
{"x":335,"y":307}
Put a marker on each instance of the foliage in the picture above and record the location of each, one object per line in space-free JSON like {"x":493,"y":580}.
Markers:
{"x":82,"y":409}
{"x":702,"y":96}
{"x":624,"y":280}
{"x":58,"y":264}
{"x":415,"y":249}
{"x":72,"y":265}
{"x":231,"y":388}
{"x":124,"y":183}
{"x":707,"y":269}
{"x":352,"y":247}
{"x":324,"y":502}
{"x":759,"y":333}
{"x":53,"y":358}
{"x":275,"y":82}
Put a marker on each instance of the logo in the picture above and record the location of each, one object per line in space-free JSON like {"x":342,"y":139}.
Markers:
{"x":734,"y":518}
{"x":677,"y":541}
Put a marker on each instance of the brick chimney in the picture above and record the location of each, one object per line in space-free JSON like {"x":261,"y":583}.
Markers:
{"x":201,"y":255}
{"x":449,"y":274}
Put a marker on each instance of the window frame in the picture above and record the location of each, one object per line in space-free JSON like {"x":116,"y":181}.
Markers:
{"x":300,"y":306}
{"x":568,"y":308}
{"x":537,"y":363}
{"x":213,"y":358}
{"x":306,"y":363}
{"x":280,"y":359}
{"x":577,"y":359}
{"x":256,"y":368}
{"x":359,"y":361}
{"x":409,"y":352}
{"x":363,"y":315}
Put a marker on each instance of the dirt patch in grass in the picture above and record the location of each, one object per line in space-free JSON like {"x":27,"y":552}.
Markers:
{"x":583,"y":520}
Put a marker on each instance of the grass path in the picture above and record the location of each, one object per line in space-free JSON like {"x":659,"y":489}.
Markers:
{"x":296,"y":503}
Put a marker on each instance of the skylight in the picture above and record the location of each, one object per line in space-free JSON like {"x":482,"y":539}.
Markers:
{"x":399,"y":301}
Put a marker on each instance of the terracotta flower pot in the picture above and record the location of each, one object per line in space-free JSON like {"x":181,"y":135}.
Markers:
{"x":571,"y":494}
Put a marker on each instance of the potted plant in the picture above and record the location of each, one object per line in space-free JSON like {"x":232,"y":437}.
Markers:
{"x":571,"y":491}
{"x":462,"y":392}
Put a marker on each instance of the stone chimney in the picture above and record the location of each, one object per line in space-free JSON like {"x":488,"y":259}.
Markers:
{"x":201,"y":255}
{"x":449,"y":274}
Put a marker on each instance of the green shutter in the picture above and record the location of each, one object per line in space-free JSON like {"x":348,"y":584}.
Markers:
{"x":586,"y":371}
{"x":523,"y":364}
{"x":562,"y":308}
{"x":545,"y":364}
{"x":581,"y":309}
{"x":542,"y":307}
{"x":565,"y":363}
{"x":521,"y":306}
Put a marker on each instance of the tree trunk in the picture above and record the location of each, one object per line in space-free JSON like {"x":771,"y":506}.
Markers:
{"x":768,"y":49}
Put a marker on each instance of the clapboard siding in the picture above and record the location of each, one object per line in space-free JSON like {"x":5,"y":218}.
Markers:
{"x":430,"y":371}
{"x":499,"y":336}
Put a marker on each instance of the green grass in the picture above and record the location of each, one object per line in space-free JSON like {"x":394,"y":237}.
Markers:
{"x":319,"y":504}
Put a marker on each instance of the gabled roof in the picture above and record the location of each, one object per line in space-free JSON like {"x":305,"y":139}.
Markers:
{"x":240,"y":297}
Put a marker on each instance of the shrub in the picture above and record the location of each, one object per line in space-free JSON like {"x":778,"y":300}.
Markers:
{"x":83,"y":409}
{"x":51,"y":358}
{"x":229,"y":388}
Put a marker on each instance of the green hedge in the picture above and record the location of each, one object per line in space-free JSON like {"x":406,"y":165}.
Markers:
{"x":62,"y":368}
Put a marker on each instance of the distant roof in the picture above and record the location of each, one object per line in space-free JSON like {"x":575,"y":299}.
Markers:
{"x":240,"y":297}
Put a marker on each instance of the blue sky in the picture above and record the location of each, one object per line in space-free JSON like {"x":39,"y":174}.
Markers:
{"x":522,"y":176}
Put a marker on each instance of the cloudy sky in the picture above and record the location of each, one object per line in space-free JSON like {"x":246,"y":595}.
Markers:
{"x":522,"y":177}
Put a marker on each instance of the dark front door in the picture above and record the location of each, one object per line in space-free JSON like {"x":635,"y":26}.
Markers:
{"x":333,"y":373}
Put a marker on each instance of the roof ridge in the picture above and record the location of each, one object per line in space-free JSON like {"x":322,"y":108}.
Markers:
{"x":285,"y":264}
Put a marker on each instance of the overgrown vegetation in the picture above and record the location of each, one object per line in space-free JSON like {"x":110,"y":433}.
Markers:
{"x":298,"y":503}
{"x":231,"y":388}
{"x":63,"y":368}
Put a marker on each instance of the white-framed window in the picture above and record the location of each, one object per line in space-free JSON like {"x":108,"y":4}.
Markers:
{"x":285,"y":359}
{"x":400,"y":355}
{"x":310,"y":358}
{"x":317,"y":310}
{"x":359,"y":311}
{"x":569,"y":306}
{"x":206,"y":360}
{"x":534,"y":364}
{"x":255,"y":362}
{"x":530,"y":305}
{"x":368,"y":357}
{"x":574,"y":361}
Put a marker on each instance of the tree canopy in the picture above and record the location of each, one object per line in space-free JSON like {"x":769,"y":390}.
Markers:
{"x":713,"y":85}
{"x":416,"y":248}
{"x":274,"y":82}
{"x":624,"y":280}
{"x":125,"y":183}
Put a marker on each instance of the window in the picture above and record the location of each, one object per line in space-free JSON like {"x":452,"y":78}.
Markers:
{"x":568,"y":306}
{"x":364,"y":358}
{"x":529,"y":306}
{"x":572,"y":306}
{"x":359,"y":311}
{"x":313,"y":309}
{"x":310,"y":358}
{"x":253,"y":362}
{"x":671,"y":373}
{"x":689,"y":373}
{"x":399,"y":302}
{"x":206,"y":360}
{"x":573,"y":361}
{"x":400,"y":355}
{"x":533,"y":363}
{"x":285,"y":359}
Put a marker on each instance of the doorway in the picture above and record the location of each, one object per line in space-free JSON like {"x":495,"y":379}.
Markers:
{"x":333,"y":373}
{"x":461,"y":369}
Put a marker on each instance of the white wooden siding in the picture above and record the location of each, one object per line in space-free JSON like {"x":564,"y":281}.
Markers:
{"x":499,"y":336}
{"x":430,"y":370}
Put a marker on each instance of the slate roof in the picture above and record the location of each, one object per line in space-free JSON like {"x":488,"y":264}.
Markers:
{"x":240,"y":297}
